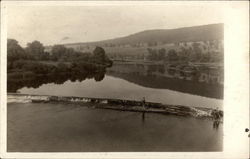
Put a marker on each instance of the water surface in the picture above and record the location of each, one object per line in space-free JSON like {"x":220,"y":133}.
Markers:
{"x":70,"y":128}
{"x":112,"y":87}
{"x":46,"y":127}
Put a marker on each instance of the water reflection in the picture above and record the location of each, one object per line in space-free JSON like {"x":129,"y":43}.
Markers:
{"x":143,"y":117}
{"x":216,"y":124}
{"x":170,"y":77}
{"x":35,"y":82}
{"x":205,"y":73}
{"x":150,"y":76}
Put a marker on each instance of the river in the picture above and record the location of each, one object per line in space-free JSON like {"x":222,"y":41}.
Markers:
{"x":47,"y":127}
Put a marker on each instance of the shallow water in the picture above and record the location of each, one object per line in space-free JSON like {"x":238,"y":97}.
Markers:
{"x":69,"y":128}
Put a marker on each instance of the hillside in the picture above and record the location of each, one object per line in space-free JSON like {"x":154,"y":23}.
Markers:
{"x":195,"y":33}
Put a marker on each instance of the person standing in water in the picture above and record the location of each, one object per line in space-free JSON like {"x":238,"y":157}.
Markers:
{"x":216,"y":116}
{"x":143,"y":103}
{"x":144,"y":107}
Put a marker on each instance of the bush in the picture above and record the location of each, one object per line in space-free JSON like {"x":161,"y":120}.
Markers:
{"x":18,"y":64}
{"x":61,"y":67}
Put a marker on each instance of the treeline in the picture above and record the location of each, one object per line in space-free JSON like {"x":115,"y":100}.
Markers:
{"x":22,"y":68}
{"x":29,"y":58}
{"x":191,"y":54}
{"x":32,"y":66}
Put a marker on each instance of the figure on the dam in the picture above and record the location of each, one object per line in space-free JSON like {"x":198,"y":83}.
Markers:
{"x":144,"y":103}
{"x":217,"y":115}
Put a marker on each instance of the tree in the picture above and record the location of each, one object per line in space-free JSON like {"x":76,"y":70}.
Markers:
{"x":206,"y":57}
{"x":184,"y":54}
{"x":58,"y":51}
{"x":61,"y":67}
{"x":152,"y":54}
{"x":36,"y":49}
{"x":14,"y":51}
{"x":45,"y":56}
{"x":161,"y":54}
{"x":172,"y":55}
{"x":197,"y":51}
{"x":99,"y":55}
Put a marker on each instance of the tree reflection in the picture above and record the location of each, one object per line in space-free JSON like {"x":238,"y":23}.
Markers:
{"x":34,"y":82}
{"x":99,"y":77}
{"x":178,"y":77}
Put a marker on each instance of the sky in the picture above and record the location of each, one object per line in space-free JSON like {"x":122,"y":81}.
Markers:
{"x":57,"y":24}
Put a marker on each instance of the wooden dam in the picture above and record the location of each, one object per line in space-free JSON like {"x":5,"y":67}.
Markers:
{"x":121,"y":105}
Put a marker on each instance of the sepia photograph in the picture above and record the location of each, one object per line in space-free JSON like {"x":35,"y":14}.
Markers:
{"x":115,"y":78}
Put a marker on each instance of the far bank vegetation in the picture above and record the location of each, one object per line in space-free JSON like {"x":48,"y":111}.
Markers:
{"x":33,"y":60}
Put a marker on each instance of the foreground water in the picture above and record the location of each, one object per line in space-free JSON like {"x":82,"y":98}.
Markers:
{"x":69,"y":128}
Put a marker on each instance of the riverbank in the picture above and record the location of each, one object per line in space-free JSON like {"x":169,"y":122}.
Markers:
{"x":33,"y":74}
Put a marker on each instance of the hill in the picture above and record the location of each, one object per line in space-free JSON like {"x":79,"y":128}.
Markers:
{"x":195,"y":33}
